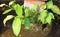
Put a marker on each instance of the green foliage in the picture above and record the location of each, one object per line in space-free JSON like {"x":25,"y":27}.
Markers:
{"x":49,"y":4}
{"x":10,"y":3}
{"x":1,"y":5}
{"x":49,"y":18}
{"x":42,"y":16}
{"x":55,"y":9}
{"x":30,"y":15}
{"x":16,"y":26}
{"x":46,"y":17}
{"x":7,"y":11}
{"x":43,"y":6}
{"x":28,"y":12}
{"x":35,"y":6}
{"x":32,"y":20}
{"x":27,"y":23}
{"x":18,"y":9}
{"x":7,"y":18}
{"x":22,"y":21}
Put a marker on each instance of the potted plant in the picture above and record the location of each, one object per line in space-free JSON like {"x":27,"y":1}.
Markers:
{"x":38,"y":18}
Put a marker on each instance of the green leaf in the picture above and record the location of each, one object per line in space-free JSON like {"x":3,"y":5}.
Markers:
{"x":43,"y":20}
{"x":55,"y":9}
{"x":28,"y":12}
{"x":7,"y":18}
{"x":22,"y":21}
{"x":35,"y":6}
{"x":7,"y":11}
{"x":42,"y":16}
{"x":43,"y":6}
{"x":49,"y":18}
{"x":1,"y":5}
{"x":10,"y":3}
{"x":16,"y":26}
{"x":49,"y":4}
{"x":27,"y":23}
{"x":32,"y":20}
{"x":18,"y":9}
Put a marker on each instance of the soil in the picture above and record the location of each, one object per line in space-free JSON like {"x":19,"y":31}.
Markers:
{"x":27,"y":33}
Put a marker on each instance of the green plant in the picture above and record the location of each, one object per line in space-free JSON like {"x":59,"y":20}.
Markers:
{"x":46,"y":16}
{"x":16,"y":24}
{"x":30,"y":15}
{"x":20,"y":19}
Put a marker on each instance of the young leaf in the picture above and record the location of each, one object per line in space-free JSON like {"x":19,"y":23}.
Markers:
{"x":1,"y":5}
{"x":28,"y":12}
{"x":7,"y":18}
{"x":42,"y":16}
{"x":16,"y":26}
{"x":7,"y":11}
{"x":49,"y":4}
{"x":43,"y":6}
{"x":49,"y":18}
{"x":55,"y":9}
{"x":10,"y":3}
{"x":27,"y":23}
{"x":18,"y":9}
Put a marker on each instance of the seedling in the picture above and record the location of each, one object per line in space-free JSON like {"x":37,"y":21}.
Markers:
{"x":17,"y":22}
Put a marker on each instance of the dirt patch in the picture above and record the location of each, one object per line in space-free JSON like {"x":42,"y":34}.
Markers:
{"x":28,"y":33}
